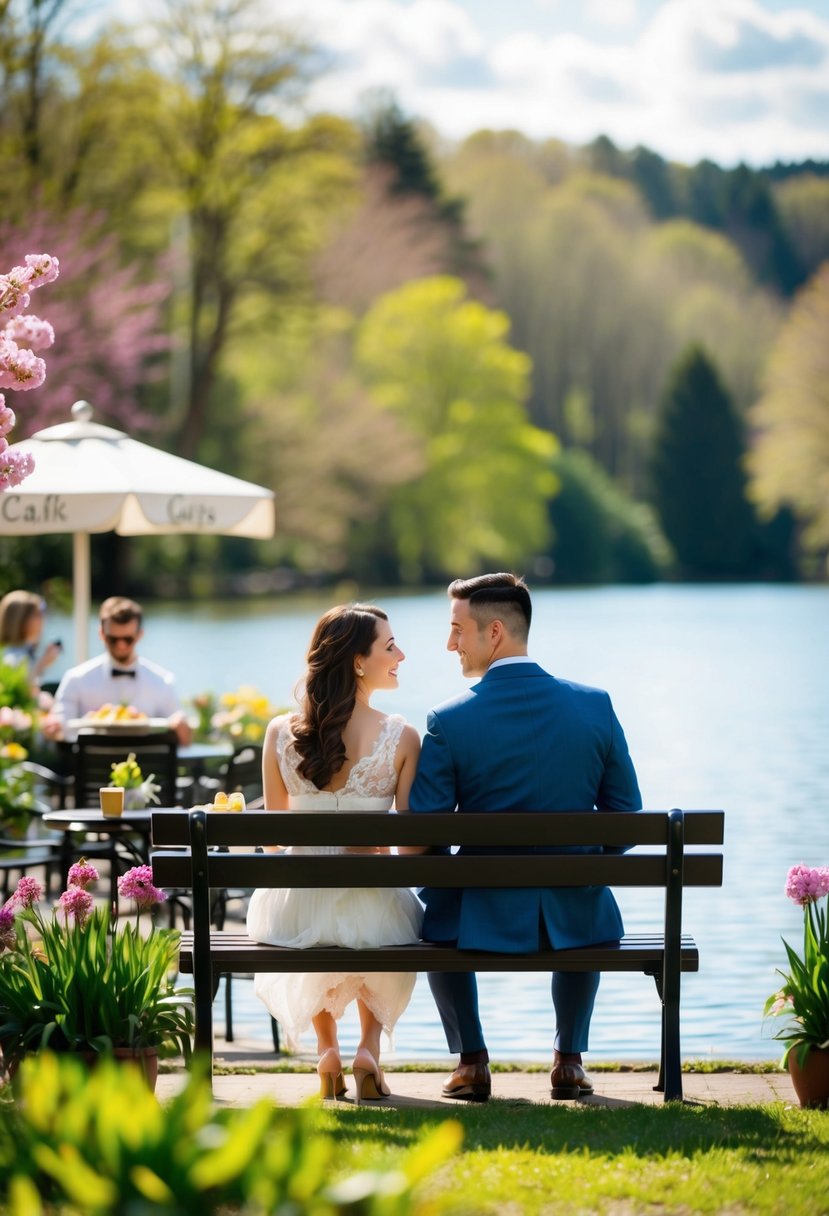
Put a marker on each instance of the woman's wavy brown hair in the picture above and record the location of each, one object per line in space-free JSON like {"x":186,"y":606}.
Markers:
{"x":341,"y":635}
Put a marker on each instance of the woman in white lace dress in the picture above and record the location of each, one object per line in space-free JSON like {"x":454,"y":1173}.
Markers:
{"x":340,"y":754}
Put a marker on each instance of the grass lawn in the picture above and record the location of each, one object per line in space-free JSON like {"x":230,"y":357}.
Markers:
{"x":518,"y":1158}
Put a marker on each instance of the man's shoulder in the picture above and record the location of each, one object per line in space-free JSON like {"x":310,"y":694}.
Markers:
{"x":81,"y":670}
{"x":156,"y":670}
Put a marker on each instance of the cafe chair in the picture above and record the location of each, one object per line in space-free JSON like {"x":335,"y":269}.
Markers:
{"x":51,"y":787}
{"x":19,"y":857}
{"x":93,"y":755}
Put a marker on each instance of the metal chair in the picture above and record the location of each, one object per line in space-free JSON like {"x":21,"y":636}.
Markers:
{"x":93,"y":755}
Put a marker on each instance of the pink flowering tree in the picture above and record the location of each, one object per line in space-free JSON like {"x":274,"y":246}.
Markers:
{"x":20,"y":368}
{"x":110,"y":313}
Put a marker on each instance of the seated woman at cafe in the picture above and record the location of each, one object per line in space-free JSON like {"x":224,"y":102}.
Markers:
{"x":22,"y":615}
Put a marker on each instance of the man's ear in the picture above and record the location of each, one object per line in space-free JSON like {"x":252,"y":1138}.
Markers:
{"x":496,"y":631}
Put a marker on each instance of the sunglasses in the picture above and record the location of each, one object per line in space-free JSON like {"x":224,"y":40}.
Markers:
{"x":128,"y":639}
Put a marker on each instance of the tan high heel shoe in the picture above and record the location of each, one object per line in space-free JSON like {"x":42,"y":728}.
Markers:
{"x":368,"y":1077}
{"x":330,"y":1069}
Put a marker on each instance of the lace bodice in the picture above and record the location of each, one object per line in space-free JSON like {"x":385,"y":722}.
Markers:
{"x":371,"y":782}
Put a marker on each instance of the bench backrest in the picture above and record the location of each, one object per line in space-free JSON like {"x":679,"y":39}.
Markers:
{"x":667,"y":837}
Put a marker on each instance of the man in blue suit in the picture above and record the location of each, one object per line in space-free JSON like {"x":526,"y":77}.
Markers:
{"x":518,"y":740}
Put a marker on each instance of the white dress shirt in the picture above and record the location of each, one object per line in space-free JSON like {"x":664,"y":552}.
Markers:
{"x":90,"y":685}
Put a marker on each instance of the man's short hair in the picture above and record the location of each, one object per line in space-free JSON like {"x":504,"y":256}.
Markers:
{"x":500,"y":596}
{"x":121,"y":611}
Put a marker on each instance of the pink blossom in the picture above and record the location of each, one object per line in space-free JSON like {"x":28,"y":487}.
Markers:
{"x":19,"y":368}
{"x":14,"y":298}
{"x":44,"y":268}
{"x":8,"y":938}
{"x":76,"y":902}
{"x":7,"y":418}
{"x":137,"y":884}
{"x":30,"y":331}
{"x":27,"y":892}
{"x":14,"y":467}
{"x":16,"y":719}
{"x":81,"y":874}
{"x":805,"y":885}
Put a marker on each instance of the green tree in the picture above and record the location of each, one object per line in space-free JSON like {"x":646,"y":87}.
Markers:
{"x":803,"y":205}
{"x":789,"y":463}
{"x":254,"y":190}
{"x":699,"y":484}
{"x":600,"y":535}
{"x":442,"y":363}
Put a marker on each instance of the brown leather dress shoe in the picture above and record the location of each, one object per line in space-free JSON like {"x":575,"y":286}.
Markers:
{"x":569,"y":1081}
{"x":470,"y":1082}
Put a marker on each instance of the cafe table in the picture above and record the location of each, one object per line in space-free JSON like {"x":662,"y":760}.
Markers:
{"x":131,"y":829}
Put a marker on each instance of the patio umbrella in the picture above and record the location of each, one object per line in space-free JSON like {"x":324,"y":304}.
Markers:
{"x":91,"y":478}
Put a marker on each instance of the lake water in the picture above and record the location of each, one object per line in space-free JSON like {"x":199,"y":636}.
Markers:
{"x":723,"y":693}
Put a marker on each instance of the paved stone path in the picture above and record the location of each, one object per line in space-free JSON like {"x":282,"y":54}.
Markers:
{"x":422,"y":1089}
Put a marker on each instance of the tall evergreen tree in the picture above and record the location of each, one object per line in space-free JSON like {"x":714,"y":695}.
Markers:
{"x":699,"y":485}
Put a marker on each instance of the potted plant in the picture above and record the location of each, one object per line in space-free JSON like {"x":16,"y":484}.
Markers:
{"x":804,"y":997}
{"x":138,"y":789}
{"x":79,"y":981}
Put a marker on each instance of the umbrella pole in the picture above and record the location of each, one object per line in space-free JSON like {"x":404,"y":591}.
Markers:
{"x":81,"y":580}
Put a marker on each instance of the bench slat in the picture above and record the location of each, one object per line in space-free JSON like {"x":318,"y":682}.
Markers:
{"x":350,"y":870}
{"x":170,"y":828}
{"x":236,"y":952}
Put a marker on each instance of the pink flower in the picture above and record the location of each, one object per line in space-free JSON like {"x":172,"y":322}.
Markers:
{"x":7,"y":418}
{"x":44,"y":268}
{"x":14,"y":467}
{"x":76,"y":902}
{"x":28,"y":892}
{"x":19,"y":368}
{"x":805,"y":885}
{"x":137,"y":884}
{"x":14,"y":298}
{"x":30,"y":331}
{"x":81,"y":874}
{"x":8,"y":938}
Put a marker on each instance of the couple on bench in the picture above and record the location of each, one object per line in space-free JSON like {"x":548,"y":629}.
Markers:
{"x":518,"y":740}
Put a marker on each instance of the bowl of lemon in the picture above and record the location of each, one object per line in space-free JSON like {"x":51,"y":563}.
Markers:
{"x":223,"y":802}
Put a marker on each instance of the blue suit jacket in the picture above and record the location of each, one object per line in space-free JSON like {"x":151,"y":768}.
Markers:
{"x":521,"y":740}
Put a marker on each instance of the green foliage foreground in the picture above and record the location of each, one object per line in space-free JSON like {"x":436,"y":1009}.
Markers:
{"x":100,"y":1143}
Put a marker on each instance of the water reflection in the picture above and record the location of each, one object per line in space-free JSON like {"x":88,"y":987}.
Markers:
{"x":724,"y":697}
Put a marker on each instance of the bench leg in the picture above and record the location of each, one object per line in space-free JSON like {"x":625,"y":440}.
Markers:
{"x":228,"y":979}
{"x":669,"y":1081}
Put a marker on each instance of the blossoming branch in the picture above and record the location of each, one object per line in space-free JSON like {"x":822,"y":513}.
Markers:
{"x":20,"y":337}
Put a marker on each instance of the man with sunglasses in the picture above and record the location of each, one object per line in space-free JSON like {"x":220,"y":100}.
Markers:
{"x":118,"y":676}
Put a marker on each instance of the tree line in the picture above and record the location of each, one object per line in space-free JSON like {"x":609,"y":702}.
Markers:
{"x":588,"y":363}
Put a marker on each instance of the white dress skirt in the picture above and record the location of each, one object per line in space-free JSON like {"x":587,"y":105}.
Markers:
{"x":342,"y":916}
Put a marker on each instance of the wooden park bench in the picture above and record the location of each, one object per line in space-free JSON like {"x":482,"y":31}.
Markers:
{"x":200,"y":851}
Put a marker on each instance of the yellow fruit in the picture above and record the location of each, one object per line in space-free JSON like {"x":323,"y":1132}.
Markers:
{"x":236,"y":802}
{"x":220,"y":799}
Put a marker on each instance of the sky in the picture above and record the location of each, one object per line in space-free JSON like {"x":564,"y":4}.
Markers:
{"x":730,"y":80}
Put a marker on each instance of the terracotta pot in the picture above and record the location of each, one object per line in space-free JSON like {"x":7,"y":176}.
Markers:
{"x":811,"y":1080}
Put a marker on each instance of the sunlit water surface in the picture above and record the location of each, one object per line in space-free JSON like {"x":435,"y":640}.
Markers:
{"x":723,"y":693}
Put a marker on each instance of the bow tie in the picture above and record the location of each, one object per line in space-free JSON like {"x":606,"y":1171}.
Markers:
{"x":122,"y":671}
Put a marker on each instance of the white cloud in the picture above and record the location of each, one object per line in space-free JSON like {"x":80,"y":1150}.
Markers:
{"x":729,"y":79}
{"x":615,"y":14}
